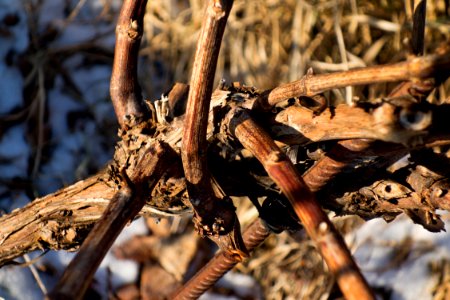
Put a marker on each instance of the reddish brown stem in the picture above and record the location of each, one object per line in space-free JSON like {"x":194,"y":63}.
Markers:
{"x":213,"y":217}
{"x":222,"y":262}
{"x":344,"y":154}
{"x":125,"y":91}
{"x":310,"y":85}
{"x":334,"y":162}
{"x":316,"y":223}
{"x":194,"y":146}
{"x":122,"y":209}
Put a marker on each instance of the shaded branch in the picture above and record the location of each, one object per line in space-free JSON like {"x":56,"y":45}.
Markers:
{"x":341,"y":156}
{"x":221,"y":263}
{"x":419,"y":197}
{"x":418,"y":31}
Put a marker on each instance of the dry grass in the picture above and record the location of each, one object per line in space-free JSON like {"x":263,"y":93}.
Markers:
{"x":271,"y":42}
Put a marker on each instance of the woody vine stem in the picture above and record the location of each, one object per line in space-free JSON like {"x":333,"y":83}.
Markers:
{"x":150,"y":151}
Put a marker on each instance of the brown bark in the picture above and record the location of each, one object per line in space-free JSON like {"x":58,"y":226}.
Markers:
{"x":60,"y":221}
{"x":315,"y":221}
{"x":419,"y":197}
{"x":214,"y":217}
{"x":127,"y":202}
{"x":125,"y":91}
{"x":310,"y":85}
{"x":387,"y":122}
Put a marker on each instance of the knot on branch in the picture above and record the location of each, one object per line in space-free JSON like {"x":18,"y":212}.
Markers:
{"x":135,"y":137}
{"x":134,"y":30}
{"x":223,"y":228}
{"x":61,"y":234}
{"x":218,"y":224}
{"x":217,"y":9}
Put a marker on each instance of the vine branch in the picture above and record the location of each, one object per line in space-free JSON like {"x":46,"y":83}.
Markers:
{"x":416,"y":68}
{"x":315,"y":221}
{"x":124,"y":88}
{"x":214,"y":217}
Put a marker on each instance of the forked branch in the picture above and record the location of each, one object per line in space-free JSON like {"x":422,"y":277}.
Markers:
{"x":125,"y":205}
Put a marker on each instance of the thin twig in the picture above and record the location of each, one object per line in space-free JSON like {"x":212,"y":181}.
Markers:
{"x":41,"y":99}
{"x":35,"y":273}
{"x":125,"y":91}
{"x":342,"y":49}
{"x":310,"y":85}
{"x":316,"y":223}
{"x":128,"y":201}
{"x":213,"y":217}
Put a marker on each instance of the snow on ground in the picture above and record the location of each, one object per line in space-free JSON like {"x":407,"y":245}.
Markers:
{"x":73,"y":147}
{"x":398,"y":255}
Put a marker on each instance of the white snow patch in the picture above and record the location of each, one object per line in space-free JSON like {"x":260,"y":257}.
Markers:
{"x":18,"y":283}
{"x":11,"y":88}
{"x":411,"y":279}
{"x":14,"y":152}
{"x":13,"y":41}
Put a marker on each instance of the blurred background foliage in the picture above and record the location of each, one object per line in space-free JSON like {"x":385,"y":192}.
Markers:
{"x":267,"y":43}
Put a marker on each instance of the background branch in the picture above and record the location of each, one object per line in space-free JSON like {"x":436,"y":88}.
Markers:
{"x":310,"y":85}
